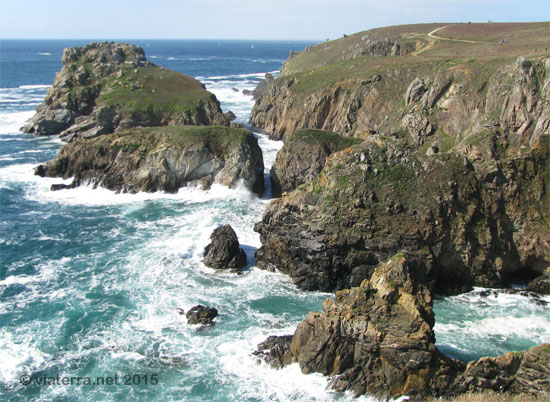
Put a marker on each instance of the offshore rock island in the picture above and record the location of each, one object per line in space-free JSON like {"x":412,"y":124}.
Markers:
{"x":134,"y":126}
{"x":442,"y":186}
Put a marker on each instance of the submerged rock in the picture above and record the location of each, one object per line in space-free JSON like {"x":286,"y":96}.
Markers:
{"x":107,"y":86}
{"x":162,"y":159}
{"x":200,"y":314}
{"x":224,"y":252}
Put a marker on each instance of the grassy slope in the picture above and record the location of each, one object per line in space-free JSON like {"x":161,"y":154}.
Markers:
{"x":323,"y":66}
{"x":150,"y":139}
{"x":154,"y":88}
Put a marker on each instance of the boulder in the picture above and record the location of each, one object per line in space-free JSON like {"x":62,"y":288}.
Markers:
{"x":224,"y":252}
{"x":230,"y":116}
{"x":275,"y":351}
{"x":415,"y":91}
{"x":200,"y":314}
{"x":541,"y":284}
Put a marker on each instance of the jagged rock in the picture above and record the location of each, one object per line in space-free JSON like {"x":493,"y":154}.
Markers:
{"x":303,"y":157}
{"x":275,"y":351}
{"x":161,"y":159}
{"x":230,"y":116}
{"x":378,"y":198}
{"x":90,"y":96}
{"x":541,"y":284}
{"x":262,"y":86}
{"x":224,"y":251}
{"x":200,"y":314}
{"x":378,"y":339}
{"x":247,"y":92}
{"x":415,"y":91}
{"x":517,"y":373}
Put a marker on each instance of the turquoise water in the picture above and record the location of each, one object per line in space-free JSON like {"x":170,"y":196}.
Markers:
{"x":92,"y":282}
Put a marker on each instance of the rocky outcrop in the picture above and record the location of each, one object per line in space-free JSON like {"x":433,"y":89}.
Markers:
{"x":541,"y":284}
{"x":262,"y":86}
{"x":303,"y":157}
{"x":275,"y":351}
{"x":478,"y":223}
{"x":200,"y":314}
{"x":224,"y":252}
{"x":378,"y":339}
{"x":453,"y":106}
{"x":162,"y":159}
{"x":107,"y":86}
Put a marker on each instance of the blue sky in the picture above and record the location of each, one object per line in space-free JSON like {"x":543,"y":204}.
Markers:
{"x":245,"y":19}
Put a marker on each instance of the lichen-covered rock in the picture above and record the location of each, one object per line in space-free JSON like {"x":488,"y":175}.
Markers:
{"x":107,"y":86}
{"x":379,"y":198}
{"x":224,"y":252}
{"x":378,"y":339}
{"x":303,"y":157}
{"x":162,"y":159}
{"x":200,"y":314}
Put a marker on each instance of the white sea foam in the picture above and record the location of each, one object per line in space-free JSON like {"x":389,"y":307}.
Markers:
{"x":34,"y":86}
{"x":44,"y":54}
{"x":10,"y":123}
{"x":495,"y":321}
{"x":18,"y":355}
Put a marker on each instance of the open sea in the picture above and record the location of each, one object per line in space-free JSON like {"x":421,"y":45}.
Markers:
{"x":91,"y":282}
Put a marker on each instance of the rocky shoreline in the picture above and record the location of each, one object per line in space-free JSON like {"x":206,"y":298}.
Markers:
{"x":398,"y":180}
{"x":445,"y":188}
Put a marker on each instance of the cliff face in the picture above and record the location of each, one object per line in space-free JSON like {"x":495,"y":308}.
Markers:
{"x":479,"y":226}
{"x":447,"y":188}
{"x":162,"y":159}
{"x":107,"y":86}
{"x":454,"y":161}
{"x":303,"y":157}
{"x":447,"y":102}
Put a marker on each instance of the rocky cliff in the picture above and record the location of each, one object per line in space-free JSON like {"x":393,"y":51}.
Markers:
{"x":303,"y":157}
{"x":454,"y":161}
{"x":162,"y":159}
{"x":378,"y":339}
{"x":447,"y":188}
{"x":107,"y":86}
{"x":446,"y":90}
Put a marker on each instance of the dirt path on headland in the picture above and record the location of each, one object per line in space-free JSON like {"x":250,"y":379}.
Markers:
{"x":431,"y":35}
{"x":432,"y":38}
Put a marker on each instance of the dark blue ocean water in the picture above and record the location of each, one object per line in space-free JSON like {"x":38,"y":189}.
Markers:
{"x":91,"y":282}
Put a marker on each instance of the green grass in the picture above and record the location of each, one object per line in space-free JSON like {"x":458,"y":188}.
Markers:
{"x":314,"y":137}
{"x":152,"y":89}
{"x":151,"y":139}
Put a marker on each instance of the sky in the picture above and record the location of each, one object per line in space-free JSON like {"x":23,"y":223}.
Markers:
{"x":244,"y":19}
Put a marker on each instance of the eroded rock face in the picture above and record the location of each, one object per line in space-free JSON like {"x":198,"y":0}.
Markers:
{"x":106,"y":86}
{"x":162,"y":159}
{"x":378,"y":339}
{"x":224,"y":252}
{"x":200,"y":314}
{"x":303,"y":157}
{"x":378,"y":198}
{"x":458,"y":104}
